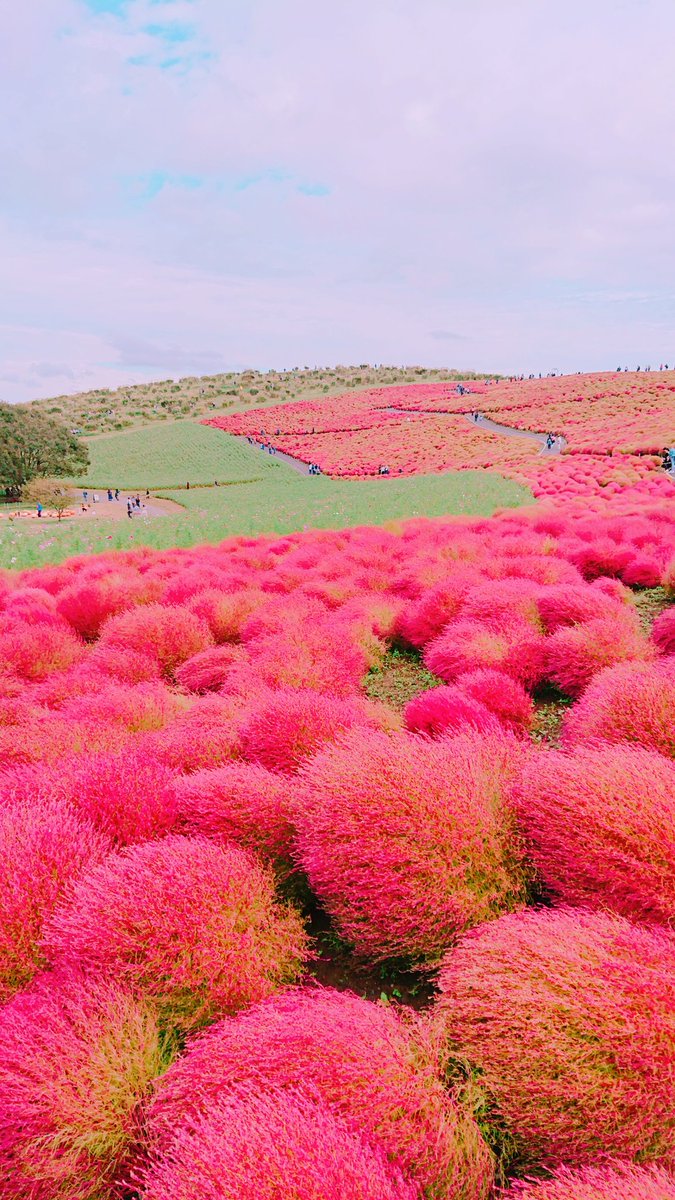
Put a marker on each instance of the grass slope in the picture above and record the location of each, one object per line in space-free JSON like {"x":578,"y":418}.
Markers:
{"x":282,"y":502}
{"x":166,"y":456}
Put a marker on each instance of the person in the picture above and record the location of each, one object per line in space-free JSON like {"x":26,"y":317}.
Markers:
{"x":39,"y":509}
{"x":187,"y":485}
{"x":147,"y":493}
{"x":85,"y":495}
{"x":117,"y":493}
{"x":95,"y":497}
{"x":671,"y":455}
{"x":110,"y":494}
{"x":129,"y":512}
{"x":549,"y":441}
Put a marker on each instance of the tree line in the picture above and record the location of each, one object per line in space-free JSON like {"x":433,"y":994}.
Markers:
{"x":35,"y":446}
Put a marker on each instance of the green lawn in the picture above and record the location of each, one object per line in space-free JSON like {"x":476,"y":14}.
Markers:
{"x":282,"y":502}
{"x":170,"y":455}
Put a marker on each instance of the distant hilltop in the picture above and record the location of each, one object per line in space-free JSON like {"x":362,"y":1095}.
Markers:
{"x":103,"y":410}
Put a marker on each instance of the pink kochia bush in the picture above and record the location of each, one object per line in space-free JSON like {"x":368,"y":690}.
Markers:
{"x":600,"y":824}
{"x":371,"y":1066}
{"x":44,"y":846}
{"x":568,"y":1018}
{"x":502,"y":695}
{"x":288,"y":726}
{"x":616,"y":1181}
{"x":663,"y":631}
{"x":574,"y":654}
{"x":208,"y":670}
{"x":514,"y":647}
{"x":279,"y":1145}
{"x":76,"y":1058}
{"x":34,"y":651}
{"x":125,"y":794}
{"x":191,"y":924}
{"x":448,"y":710}
{"x":168,"y":632}
{"x":633,"y":702}
{"x":240,"y":802}
{"x":407,"y":842}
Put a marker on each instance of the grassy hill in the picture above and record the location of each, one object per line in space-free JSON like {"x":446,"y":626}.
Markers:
{"x":104,"y":410}
{"x":282,"y":502}
{"x":168,"y":456}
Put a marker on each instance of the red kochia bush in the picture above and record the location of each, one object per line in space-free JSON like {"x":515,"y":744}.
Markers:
{"x":168,"y":632}
{"x":468,"y":645}
{"x":75,"y":1060}
{"x":208,"y":670}
{"x":34,"y":651}
{"x":44,"y":845}
{"x":576,"y":653}
{"x":569,"y":1018}
{"x":239,"y":802}
{"x":191,"y":924}
{"x":571,"y":605}
{"x":281,"y":1145}
{"x":448,"y":710}
{"x":372,"y":1067}
{"x":633,"y":702}
{"x":663,"y":631}
{"x":601,"y":828}
{"x":287,"y":726}
{"x":615,"y":1181}
{"x":406,"y":841}
{"x":426,"y":617}
{"x":502,"y":695}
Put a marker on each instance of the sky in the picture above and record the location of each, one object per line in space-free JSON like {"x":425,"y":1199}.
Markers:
{"x":196,"y":186}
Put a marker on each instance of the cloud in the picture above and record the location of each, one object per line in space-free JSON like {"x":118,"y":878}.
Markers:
{"x":446,"y":335}
{"x":509,"y":179}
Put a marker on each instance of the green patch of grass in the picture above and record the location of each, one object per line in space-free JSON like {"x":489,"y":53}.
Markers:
{"x":173,"y":454}
{"x":550,"y":709}
{"x":398,"y":677}
{"x":282,"y":502}
{"x":650,"y":602}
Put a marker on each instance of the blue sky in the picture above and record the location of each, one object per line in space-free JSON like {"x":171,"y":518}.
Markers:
{"x":200,"y":185}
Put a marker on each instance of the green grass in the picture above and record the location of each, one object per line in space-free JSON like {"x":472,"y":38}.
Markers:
{"x":172,"y":454}
{"x":281,"y":503}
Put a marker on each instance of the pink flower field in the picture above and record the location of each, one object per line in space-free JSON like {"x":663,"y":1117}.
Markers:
{"x":275,"y":927}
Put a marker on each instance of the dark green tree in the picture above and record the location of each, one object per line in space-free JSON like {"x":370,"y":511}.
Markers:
{"x":34,"y":445}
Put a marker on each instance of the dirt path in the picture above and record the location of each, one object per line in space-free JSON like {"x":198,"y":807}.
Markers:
{"x":102,"y":510}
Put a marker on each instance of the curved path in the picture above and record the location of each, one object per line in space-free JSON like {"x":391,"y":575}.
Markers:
{"x":486,"y":423}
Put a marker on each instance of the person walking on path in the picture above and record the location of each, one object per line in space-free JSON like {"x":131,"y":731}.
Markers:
{"x":39,"y":509}
{"x":85,"y":495}
{"x":117,"y":493}
{"x":129,"y":512}
{"x":110,"y":495}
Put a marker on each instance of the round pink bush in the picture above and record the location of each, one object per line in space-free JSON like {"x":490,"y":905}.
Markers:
{"x":600,"y":824}
{"x":663,"y":631}
{"x":35,"y":650}
{"x":208,"y":670}
{"x":633,"y":702}
{"x":574,"y":654}
{"x":205,"y":735}
{"x":568,"y":1018}
{"x":502,"y":695}
{"x":281,"y":1145}
{"x":167,"y":631}
{"x":406,"y":842}
{"x":240,"y":802}
{"x":573,"y":605}
{"x":448,"y":710}
{"x":76,"y":1058}
{"x":369,"y":1064}
{"x":287,"y":726}
{"x":422,"y":620}
{"x":615,"y":1181}
{"x":44,"y":846}
{"x":189,"y":923}
{"x":468,"y":645}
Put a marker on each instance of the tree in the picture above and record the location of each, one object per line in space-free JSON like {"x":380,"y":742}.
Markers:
{"x":34,"y":445}
{"x":51,"y":494}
